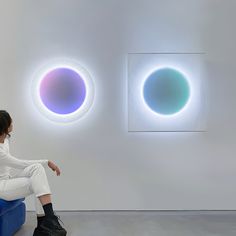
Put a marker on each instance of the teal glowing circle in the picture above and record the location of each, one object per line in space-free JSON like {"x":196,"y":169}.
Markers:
{"x":166,"y":91}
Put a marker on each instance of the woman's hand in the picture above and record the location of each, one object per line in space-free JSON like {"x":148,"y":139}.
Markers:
{"x":54,"y":167}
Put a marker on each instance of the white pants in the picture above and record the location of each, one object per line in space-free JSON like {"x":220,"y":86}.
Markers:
{"x":31,"y":180}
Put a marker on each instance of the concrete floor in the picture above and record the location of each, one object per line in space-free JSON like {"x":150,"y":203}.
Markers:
{"x":142,"y":223}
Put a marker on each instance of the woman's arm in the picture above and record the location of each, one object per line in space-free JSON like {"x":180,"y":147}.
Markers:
{"x":11,"y":161}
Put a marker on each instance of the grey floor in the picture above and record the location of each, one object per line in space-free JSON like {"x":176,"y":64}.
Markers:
{"x":142,"y":223}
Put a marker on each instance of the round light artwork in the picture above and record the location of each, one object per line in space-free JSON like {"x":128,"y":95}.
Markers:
{"x":63,"y":92}
{"x":166,"y":91}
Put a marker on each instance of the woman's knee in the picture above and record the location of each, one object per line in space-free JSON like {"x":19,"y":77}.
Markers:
{"x":36,"y":165}
{"x":35,"y":168}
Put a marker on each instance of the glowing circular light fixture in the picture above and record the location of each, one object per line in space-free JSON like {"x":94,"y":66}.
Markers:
{"x":63,"y":91}
{"x":166,"y":91}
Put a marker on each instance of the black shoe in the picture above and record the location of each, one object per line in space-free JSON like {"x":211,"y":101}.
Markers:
{"x":52,"y":226}
{"x":38,"y":231}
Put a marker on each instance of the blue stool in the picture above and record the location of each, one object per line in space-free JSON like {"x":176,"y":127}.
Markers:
{"x":12,"y":216}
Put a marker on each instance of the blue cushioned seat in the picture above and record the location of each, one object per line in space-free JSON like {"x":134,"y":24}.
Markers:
{"x":12,"y":216}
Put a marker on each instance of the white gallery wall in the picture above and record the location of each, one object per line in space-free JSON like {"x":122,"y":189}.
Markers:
{"x":104,"y":167}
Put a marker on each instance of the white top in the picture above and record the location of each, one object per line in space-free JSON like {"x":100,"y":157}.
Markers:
{"x":7,"y":161}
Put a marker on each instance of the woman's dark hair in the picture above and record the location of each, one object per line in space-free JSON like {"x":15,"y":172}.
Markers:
{"x":5,"y":122}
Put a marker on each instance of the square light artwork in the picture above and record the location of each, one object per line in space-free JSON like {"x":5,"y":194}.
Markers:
{"x":166,"y":92}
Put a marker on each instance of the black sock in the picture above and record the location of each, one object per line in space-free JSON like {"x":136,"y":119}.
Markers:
{"x":48,"y":209}
{"x":40,"y":219}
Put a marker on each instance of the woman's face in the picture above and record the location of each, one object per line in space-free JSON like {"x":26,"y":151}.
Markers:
{"x":10,"y":127}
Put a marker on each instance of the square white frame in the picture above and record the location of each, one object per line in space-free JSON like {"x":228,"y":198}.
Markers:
{"x":191,"y":119}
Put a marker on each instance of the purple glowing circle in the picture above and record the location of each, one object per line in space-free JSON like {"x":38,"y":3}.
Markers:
{"x":62,"y":91}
